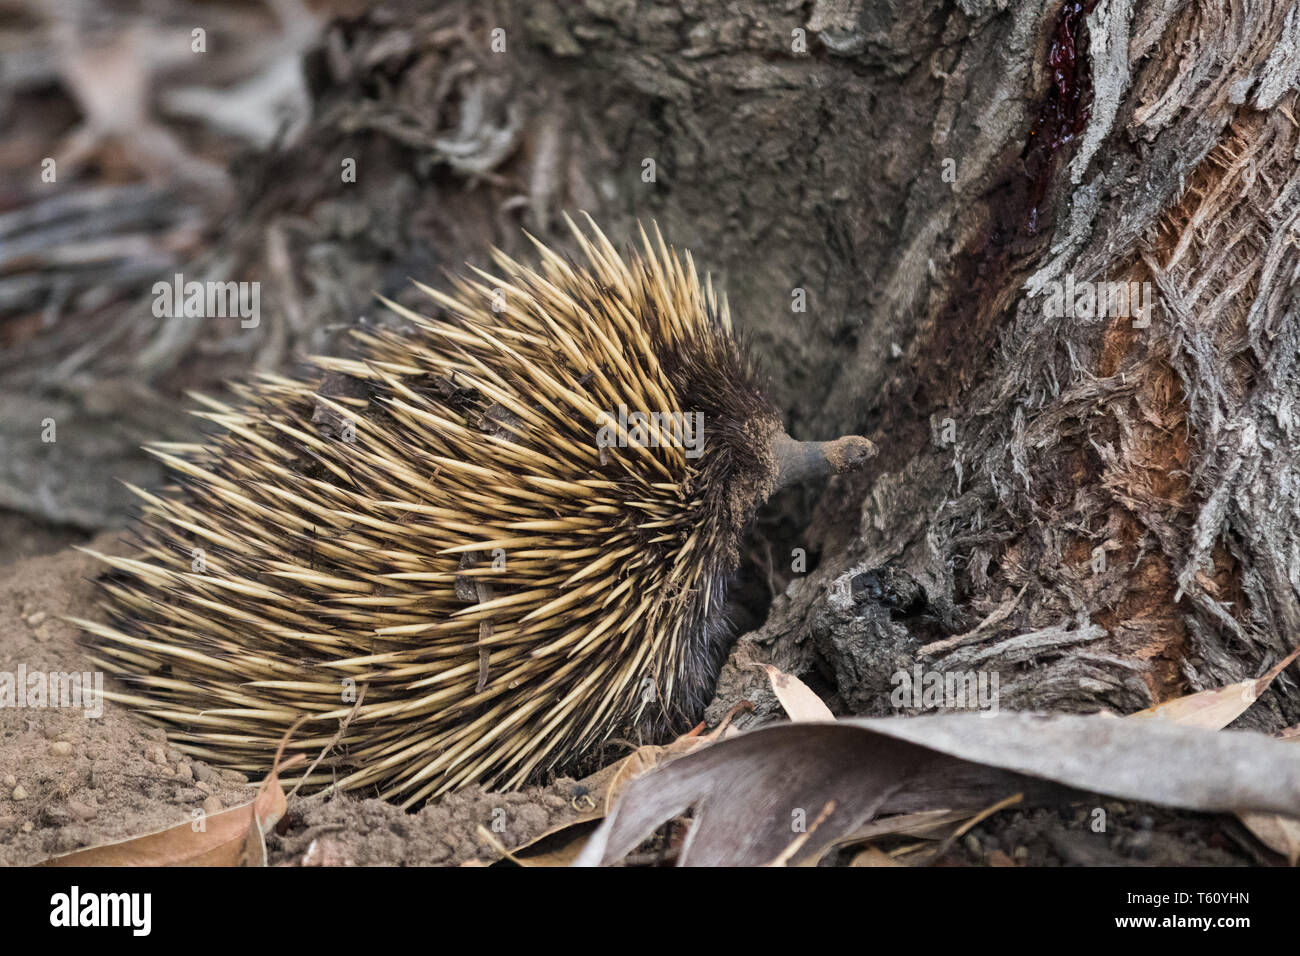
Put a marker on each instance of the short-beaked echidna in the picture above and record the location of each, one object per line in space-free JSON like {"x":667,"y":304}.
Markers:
{"x":468,"y":526}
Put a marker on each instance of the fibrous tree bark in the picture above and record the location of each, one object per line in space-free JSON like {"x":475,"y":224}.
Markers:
{"x":899,"y":198}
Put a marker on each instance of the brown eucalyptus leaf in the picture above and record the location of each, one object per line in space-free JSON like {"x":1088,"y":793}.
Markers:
{"x":1215,"y":709}
{"x":234,"y":837}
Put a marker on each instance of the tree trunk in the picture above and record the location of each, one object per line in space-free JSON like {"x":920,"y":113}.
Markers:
{"x":905,"y":202}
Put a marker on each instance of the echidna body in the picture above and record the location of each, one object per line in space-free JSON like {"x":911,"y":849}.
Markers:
{"x":435,"y":528}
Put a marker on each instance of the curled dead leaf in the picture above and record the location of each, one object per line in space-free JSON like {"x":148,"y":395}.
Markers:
{"x":747,"y":791}
{"x":1215,"y":709}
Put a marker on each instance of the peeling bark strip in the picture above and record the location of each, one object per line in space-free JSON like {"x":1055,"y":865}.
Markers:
{"x":1105,"y":515}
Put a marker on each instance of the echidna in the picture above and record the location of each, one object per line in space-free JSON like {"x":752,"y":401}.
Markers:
{"x":469,"y":527}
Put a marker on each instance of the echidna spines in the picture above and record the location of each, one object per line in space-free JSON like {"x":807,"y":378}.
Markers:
{"x":334,"y":523}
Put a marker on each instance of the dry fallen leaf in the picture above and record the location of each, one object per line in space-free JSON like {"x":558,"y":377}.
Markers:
{"x":874,"y":857}
{"x":234,"y":837}
{"x":645,"y":759}
{"x":746,"y":791}
{"x":1279,"y":833}
{"x":1215,"y":709}
{"x":800,"y":703}
{"x":560,"y":845}
{"x":785,"y":856}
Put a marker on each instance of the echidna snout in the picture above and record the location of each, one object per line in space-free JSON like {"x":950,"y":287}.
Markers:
{"x":429,"y":553}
